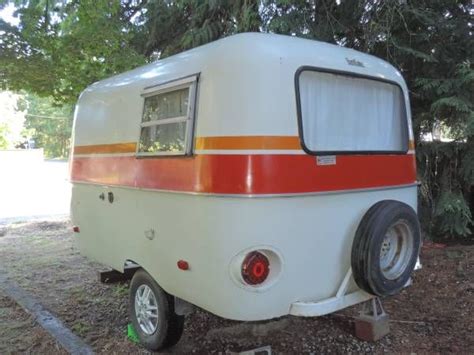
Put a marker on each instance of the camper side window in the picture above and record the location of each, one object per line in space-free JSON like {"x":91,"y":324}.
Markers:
{"x":167,"y":121}
{"x":340,"y":113}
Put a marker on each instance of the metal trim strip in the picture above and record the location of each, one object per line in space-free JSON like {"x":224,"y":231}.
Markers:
{"x":281,"y":195}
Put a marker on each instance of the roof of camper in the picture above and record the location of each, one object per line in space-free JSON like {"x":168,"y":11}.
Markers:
{"x":242,"y":49}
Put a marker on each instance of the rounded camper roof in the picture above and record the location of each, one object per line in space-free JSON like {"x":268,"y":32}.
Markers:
{"x":243,"y":51}
{"x":247,"y":86}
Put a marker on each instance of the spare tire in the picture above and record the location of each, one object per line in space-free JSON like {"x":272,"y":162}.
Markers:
{"x":386,"y":248}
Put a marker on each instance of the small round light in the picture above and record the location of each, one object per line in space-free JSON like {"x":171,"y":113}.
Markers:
{"x":255,"y":268}
{"x":183,"y":265}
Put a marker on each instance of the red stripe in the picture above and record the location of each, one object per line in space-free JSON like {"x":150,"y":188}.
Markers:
{"x":247,"y":174}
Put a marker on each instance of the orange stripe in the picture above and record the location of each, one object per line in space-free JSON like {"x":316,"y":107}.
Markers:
{"x":210,"y":143}
{"x":105,"y":148}
{"x":248,"y":142}
{"x":411,"y":145}
{"x":202,"y":143}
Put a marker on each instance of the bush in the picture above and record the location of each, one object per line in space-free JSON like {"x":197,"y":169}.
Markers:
{"x":445,"y":194}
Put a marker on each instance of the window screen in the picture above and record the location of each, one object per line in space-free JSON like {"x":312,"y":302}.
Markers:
{"x":341,"y":113}
{"x":167,"y":121}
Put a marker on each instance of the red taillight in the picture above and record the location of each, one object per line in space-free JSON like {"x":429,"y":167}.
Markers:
{"x":255,"y":268}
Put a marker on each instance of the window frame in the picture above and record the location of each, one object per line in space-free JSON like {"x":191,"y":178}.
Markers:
{"x":299,"y":114}
{"x":190,"y":82}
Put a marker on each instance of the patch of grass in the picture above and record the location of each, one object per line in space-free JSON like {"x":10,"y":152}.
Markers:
{"x":80,"y":328}
{"x":3,"y":311}
{"x":40,"y":241}
{"x":101,"y":301}
{"x":79,"y":294}
{"x":39,"y":261}
{"x":121,"y":290}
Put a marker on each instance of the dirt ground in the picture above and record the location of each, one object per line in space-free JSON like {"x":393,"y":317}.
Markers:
{"x":435,"y":315}
{"x":19,"y":333}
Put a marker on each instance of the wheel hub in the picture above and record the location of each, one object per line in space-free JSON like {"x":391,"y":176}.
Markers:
{"x":146,"y":309}
{"x":396,"y":250}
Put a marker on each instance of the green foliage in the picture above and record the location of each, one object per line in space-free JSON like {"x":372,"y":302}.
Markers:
{"x":322,"y":20}
{"x":453,"y":214}
{"x":121,"y":290}
{"x":445,"y":188}
{"x":49,"y":125}
{"x":172,"y":27}
{"x":3,"y":136}
{"x":61,"y":47}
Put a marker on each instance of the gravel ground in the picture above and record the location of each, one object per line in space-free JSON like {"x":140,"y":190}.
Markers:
{"x":433,"y":316}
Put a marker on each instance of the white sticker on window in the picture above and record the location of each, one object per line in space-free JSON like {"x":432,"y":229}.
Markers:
{"x":326,"y":160}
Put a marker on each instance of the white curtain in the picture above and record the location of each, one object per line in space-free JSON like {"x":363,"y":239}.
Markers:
{"x":166,"y":105}
{"x":343,"y":113}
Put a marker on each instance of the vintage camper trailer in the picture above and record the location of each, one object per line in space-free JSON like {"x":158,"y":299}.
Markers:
{"x":256,"y":176}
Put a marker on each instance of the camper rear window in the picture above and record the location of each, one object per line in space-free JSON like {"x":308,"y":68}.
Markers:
{"x":340,"y":113}
{"x":166,"y":127}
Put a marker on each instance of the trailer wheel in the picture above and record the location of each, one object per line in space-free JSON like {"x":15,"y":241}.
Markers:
{"x":152,"y":313}
{"x":385,"y":248}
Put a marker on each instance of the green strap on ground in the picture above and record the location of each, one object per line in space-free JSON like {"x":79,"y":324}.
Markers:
{"x":132,"y":334}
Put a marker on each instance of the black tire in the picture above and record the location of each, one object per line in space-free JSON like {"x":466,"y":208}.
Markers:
{"x":169,"y":327}
{"x":370,"y":237}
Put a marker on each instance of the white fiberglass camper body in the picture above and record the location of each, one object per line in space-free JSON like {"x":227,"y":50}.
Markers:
{"x":256,"y":176}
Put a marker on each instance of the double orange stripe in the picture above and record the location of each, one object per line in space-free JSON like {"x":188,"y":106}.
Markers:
{"x":206,"y":143}
{"x":211,"y":143}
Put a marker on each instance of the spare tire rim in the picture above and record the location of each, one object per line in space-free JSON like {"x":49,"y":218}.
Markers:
{"x":146,"y":309}
{"x":396,"y":250}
